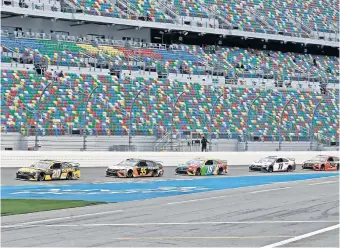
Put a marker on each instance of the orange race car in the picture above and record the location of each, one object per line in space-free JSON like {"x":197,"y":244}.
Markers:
{"x":322,"y":163}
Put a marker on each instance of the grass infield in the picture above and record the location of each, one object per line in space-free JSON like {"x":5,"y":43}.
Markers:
{"x":23,"y":206}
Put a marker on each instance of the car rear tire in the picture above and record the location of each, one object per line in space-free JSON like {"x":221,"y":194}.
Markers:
{"x":41,"y":177}
{"x":289,"y":169}
{"x":198,"y":172}
{"x":322,"y":168}
{"x":220,"y":171}
{"x":69,"y":176}
{"x":130,"y":174}
{"x":270,"y":169}
{"x":337,"y":167}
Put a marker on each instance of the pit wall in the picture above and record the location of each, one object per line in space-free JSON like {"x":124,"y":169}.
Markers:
{"x":104,"y":159}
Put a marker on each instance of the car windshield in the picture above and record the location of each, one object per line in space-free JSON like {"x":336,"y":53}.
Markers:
{"x":319,"y":158}
{"x":196,"y":162}
{"x":267,"y":160}
{"x":41,"y":165}
{"x":128,"y":163}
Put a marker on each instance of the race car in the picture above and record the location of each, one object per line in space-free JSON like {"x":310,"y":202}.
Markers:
{"x":49,"y":170}
{"x":273,"y":163}
{"x":136,"y":168}
{"x":203,"y":167}
{"x":322,"y":163}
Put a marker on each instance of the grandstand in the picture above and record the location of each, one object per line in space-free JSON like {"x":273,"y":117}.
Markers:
{"x":248,"y":74}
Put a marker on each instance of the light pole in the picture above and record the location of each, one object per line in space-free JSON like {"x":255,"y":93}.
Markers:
{"x":172,"y":118}
{"x":281,"y":117}
{"x":37,"y":109}
{"x":85,"y":122}
{"x":311,"y":129}
{"x":212,"y":114}
{"x":130,"y":115}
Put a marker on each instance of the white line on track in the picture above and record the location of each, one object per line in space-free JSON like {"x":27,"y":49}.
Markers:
{"x":323,"y":183}
{"x":267,"y":190}
{"x":297,"y":238}
{"x":172,"y":223}
{"x":64,"y":218}
{"x":253,"y":192}
{"x":224,"y":196}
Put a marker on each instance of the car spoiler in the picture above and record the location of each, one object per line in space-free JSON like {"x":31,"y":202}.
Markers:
{"x":292,"y":159}
{"x":224,"y":161}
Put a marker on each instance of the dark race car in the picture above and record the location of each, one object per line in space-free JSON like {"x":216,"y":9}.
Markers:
{"x":136,"y":168}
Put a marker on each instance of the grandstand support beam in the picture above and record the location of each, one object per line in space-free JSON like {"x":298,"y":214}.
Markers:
{"x":85,"y":113}
{"x":311,"y":128}
{"x":37,"y":110}
{"x":281,"y":118}
{"x":130,"y":115}
{"x":172,"y":118}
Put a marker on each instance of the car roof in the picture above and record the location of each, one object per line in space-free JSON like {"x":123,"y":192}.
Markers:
{"x":50,"y":160}
{"x":204,"y":159}
{"x":139,"y":159}
{"x":326,"y":156}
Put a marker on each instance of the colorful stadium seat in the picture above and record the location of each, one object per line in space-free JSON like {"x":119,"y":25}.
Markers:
{"x":63,"y":106}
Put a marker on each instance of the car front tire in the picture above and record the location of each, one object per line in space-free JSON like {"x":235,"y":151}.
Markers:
{"x":69,"y":176}
{"x":41,"y":177}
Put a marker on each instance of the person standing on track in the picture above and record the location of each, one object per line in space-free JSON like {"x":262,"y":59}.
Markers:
{"x":204,"y":142}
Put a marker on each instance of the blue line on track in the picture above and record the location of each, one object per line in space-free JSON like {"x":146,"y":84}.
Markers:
{"x":129,"y":191}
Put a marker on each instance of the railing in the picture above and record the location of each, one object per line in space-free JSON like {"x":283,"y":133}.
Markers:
{"x":71,"y":138}
{"x":180,"y":20}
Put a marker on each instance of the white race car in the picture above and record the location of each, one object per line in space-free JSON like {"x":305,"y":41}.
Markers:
{"x":273,"y":163}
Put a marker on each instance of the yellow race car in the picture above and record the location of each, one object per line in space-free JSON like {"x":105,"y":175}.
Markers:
{"x":49,"y":170}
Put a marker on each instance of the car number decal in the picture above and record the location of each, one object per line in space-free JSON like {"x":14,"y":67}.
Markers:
{"x":56,"y":173}
{"x":210,"y":169}
{"x":143,"y":171}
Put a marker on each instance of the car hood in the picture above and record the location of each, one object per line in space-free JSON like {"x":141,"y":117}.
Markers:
{"x":262,"y":164}
{"x":182,"y":166}
{"x":28,"y":169}
{"x":312,"y":162}
{"x":119,"y":167}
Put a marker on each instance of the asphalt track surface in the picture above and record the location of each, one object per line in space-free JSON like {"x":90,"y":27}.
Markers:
{"x":97,"y":175}
{"x":290,"y":214}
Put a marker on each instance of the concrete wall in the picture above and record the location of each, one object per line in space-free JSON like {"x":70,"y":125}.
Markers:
{"x":104,"y":159}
